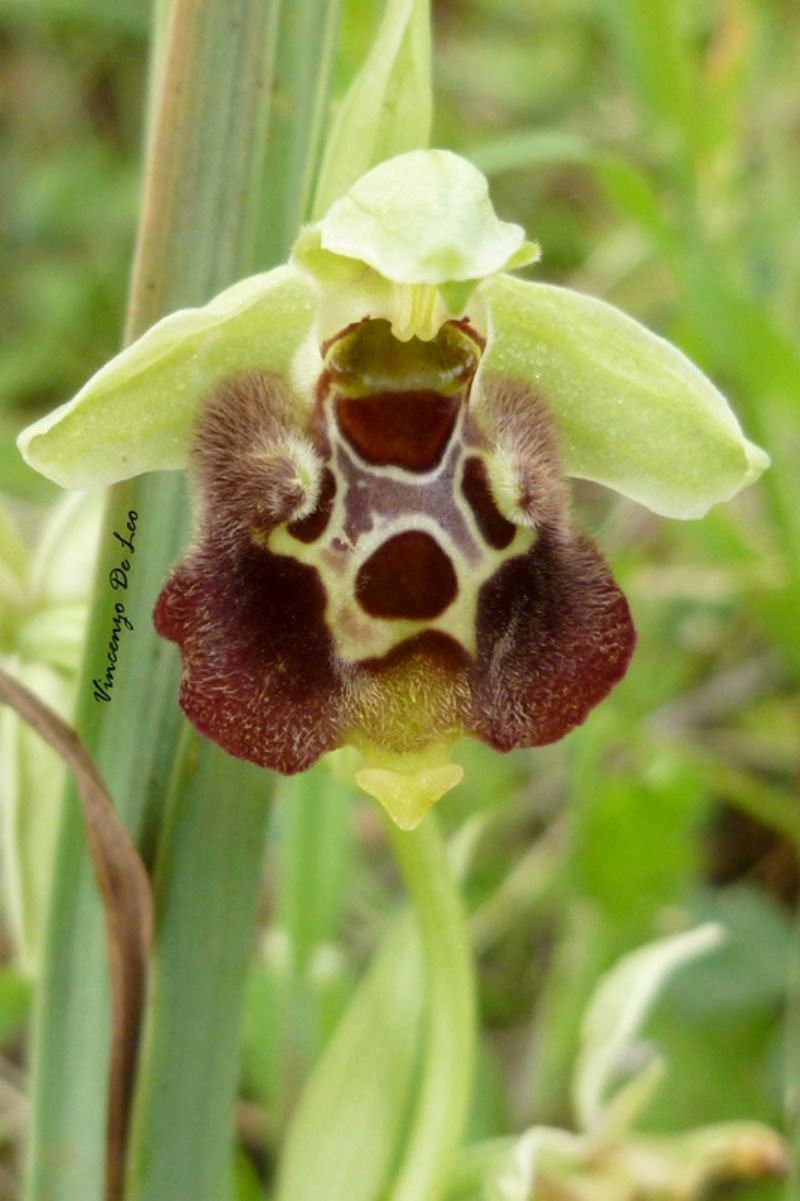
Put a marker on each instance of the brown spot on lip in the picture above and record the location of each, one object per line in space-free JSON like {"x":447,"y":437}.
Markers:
{"x":399,"y":429}
{"x":409,"y":576}
{"x":494,"y":527}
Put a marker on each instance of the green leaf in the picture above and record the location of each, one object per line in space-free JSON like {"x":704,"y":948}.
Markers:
{"x":387,"y":109}
{"x":347,"y":1131}
{"x":206,"y":883}
{"x":632,"y":411}
{"x":525,"y":148}
{"x":32,"y":778}
{"x":617,"y":1010}
{"x":663,"y":76}
{"x":15,"y":1001}
{"x":207,"y":145}
{"x":304,"y":57}
{"x":136,"y":413}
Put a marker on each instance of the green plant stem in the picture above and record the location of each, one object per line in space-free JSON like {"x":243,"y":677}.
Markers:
{"x":444,"y":1090}
{"x":210,"y":854}
{"x":131,"y":741}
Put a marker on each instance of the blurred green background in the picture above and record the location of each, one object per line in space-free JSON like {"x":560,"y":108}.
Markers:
{"x":654,"y":150}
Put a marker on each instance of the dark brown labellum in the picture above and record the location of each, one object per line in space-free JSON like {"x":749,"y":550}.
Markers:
{"x":407,"y":605}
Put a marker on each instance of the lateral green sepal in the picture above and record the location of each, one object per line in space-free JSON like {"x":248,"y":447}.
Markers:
{"x":632,"y":411}
{"x":136,"y":414}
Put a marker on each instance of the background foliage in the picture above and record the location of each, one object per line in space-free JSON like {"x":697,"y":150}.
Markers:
{"x":653,"y":150}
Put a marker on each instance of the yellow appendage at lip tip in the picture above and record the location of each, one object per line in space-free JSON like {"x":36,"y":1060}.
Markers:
{"x":407,"y":796}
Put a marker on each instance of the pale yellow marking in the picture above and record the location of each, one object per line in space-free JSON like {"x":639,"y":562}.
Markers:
{"x":407,"y":797}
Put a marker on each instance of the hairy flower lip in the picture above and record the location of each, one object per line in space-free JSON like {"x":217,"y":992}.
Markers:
{"x":263,"y":622}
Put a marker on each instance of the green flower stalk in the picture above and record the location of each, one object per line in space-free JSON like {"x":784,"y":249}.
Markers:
{"x":378,"y":435}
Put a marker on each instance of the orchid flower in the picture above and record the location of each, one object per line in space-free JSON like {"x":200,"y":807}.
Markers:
{"x":378,"y":435}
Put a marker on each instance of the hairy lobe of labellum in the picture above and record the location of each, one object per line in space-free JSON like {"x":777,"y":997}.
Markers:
{"x":388,"y":562}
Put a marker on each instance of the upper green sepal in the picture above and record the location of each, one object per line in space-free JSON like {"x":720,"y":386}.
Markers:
{"x":410,"y":242}
{"x":136,"y":414}
{"x":424,"y":218}
{"x":632,"y":411}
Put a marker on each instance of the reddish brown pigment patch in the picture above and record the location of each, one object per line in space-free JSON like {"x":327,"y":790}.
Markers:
{"x":308,"y":529}
{"x":492,"y":524}
{"x":554,"y":635}
{"x":409,"y":576}
{"x":258,"y":675}
{"x":399,"y":429}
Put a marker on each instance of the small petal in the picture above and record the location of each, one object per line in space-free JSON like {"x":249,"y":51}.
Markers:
{"x":632,"y":411}
{"x":136,"y":414}
{"x":409,"y":243}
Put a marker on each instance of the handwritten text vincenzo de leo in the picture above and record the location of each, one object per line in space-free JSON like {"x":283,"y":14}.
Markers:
{"x":118,"y":579}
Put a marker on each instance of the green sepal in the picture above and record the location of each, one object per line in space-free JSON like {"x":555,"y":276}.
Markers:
{"x":136,"y":414}
{"x":423,"y":218}
{"x":633,"y":413}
